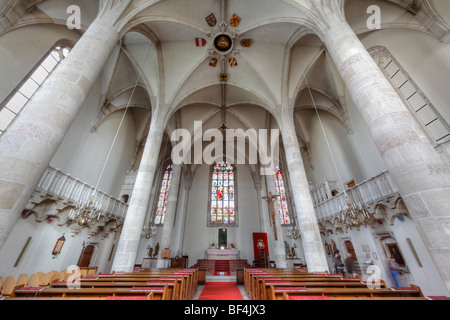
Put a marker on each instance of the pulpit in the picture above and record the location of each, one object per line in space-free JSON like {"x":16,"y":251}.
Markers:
{"x":222,"y":254}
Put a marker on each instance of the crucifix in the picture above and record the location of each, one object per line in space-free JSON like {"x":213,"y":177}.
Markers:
{"x":271,"y":199}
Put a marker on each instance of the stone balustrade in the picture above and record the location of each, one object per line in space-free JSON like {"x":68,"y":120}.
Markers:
{"x":56,"y":184}
{"x":367,"y":193}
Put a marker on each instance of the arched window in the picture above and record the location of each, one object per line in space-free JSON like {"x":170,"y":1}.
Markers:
{"x":222,"y":204}
{"x":419,"y":105}
{"x":280,"y":189}
{"x":163,"y":195}
{"x":23,"y":93}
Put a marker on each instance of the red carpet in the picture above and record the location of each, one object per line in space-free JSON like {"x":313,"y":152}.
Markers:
{"x":221,"y":291}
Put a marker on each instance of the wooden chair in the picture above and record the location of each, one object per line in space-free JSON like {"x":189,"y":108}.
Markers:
{"x":34,"y":280}
{"x":54,"y":277}
{"x":91,"y":273}
{"x":83,"y":273}
{"x":62,"y":275}
{"x":44,"y":279}
{"x":8,"y":286}
{"x":22,"y":280}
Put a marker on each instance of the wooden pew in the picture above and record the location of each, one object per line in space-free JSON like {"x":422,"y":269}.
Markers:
{"x":279,"y":293}
{"x":333,"y":283}
{"x":155,"y":284}
{"x":157,"y":293}
{"x":255,"y":287}
{"x":173,"y":286}
{"x":187,"y":277}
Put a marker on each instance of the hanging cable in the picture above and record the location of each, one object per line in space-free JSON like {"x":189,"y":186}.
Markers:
{"x":326,"y":139}
{"x":121,"y":122}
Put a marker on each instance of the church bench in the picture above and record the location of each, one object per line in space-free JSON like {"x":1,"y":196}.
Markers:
{"x":189,"y":280}
{"x":294,"y":297}
{"x":255,"y":285}
{"x":278,"y":293}
{"x":250,"y":274}
{"x":158,"y":293}
{"x":174,"y":290}
{"x":264,"y":291}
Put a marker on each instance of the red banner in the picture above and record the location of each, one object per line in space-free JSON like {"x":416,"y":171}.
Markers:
{"x":260,"y":245}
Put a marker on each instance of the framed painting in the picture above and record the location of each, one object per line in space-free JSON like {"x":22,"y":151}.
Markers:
{"x":394,"y":251}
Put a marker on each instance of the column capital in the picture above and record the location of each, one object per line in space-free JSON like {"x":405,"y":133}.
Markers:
{"x":323,"y":14}
{"x":112,"y":9}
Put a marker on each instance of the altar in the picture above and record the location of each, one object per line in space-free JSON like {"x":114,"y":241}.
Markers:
{"x":222,"y":254}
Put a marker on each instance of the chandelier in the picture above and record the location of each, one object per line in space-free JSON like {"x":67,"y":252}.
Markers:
{"x":86,"y":214}
{"x":353,"y":216}
{"x":293,"y":232}
{"x":150,"y":231}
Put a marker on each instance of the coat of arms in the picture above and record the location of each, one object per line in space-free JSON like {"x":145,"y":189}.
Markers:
{"x":213,"y":62}
{"x":211,"y":20}
{"x":246,"y":42}
{"x":235,"y":20}
{"x":200,"y":42}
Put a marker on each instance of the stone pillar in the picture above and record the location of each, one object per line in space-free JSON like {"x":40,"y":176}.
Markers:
{"x":171,"y":208}
{"x":257,"y":183}
{"x":188,"y":177}
{"x":421,"y":175}
{"x":130,"y":236}
{"x":29,"y":143}
{"x":306,"y":217}
{"x":279,"y":248}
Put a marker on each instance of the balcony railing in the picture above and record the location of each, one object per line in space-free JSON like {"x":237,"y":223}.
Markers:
{"x":365,"y":193}
{"x":59,"y":185}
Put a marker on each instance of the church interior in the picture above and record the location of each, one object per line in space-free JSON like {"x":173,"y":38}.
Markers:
{"x":224,"y":141}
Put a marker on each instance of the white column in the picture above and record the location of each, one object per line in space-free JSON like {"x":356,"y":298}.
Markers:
{"x":130,"y":236}
{"x":257,"y":183}
{"x":29,"y":143}
{"x":421,"y":175}
{"x":306,"y":217}
{"x":279,"y":248}
{"x":171,"y":208}
{"x":187,"y":188}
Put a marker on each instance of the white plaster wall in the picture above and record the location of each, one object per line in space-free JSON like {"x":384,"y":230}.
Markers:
{"x":22,"y":48}
{"x":38,"y":255}
{"x":82,"y":153}
{"x":347,"y":149}
{"x":426,"y":277}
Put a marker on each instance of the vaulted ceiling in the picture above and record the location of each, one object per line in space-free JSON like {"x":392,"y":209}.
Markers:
{"x":167,"y":58}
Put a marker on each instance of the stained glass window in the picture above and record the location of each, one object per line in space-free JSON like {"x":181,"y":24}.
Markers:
{"x":163,"y":195}
{"x":280,"y":189}
{"x":223,"y":193}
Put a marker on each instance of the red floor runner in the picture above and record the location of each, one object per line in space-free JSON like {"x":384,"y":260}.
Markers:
{"x":221,"y":291}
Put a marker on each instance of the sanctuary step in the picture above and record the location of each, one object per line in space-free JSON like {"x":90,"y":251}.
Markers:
{"x":222,"y":266}
{"x":209,"y":265}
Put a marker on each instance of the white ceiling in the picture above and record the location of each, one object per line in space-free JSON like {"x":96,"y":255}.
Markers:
{"x":159,"y":46}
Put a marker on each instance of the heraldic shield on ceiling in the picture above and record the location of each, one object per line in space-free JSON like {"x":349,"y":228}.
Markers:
{"x":223,"y":44}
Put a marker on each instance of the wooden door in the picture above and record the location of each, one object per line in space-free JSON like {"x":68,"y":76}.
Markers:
{"x":86,"y":256}
{"x":351,"y":249}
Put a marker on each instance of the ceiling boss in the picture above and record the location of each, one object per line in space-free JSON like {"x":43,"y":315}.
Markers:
{"x":223,"y":40}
